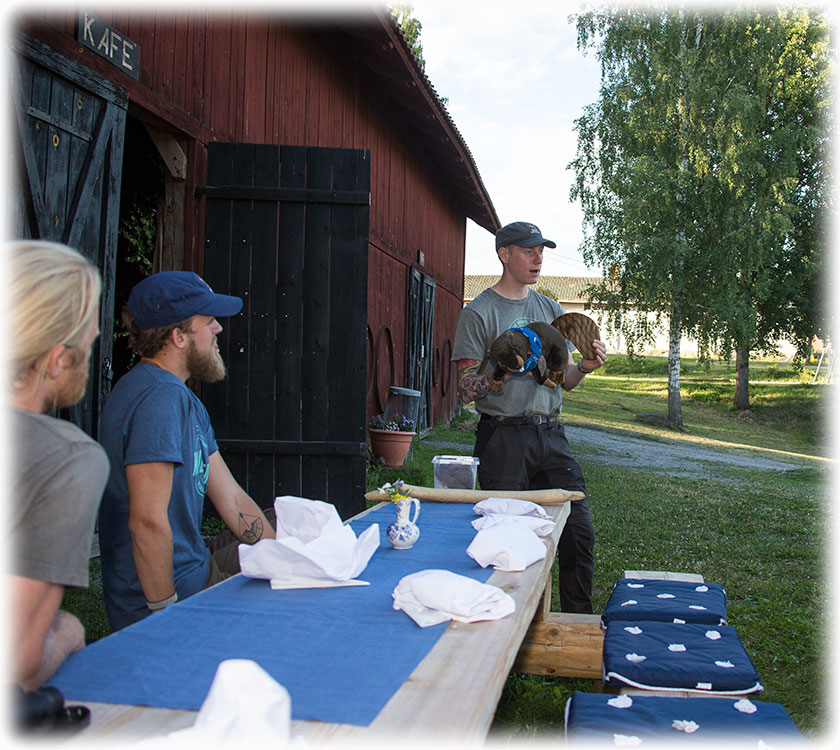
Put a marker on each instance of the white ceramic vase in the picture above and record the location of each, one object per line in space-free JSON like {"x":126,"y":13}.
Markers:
{"x":403,"y":533}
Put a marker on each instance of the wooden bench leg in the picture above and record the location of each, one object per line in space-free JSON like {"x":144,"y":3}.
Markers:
{"x":544,"y":607}
{"x":563,"y":644}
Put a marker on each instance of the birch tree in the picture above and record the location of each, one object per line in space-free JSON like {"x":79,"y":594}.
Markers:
{"x":687,"y":171}
{"x":774,"y":187}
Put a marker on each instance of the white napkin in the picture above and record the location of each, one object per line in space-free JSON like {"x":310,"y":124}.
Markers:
{"x":506,"y":547}
{"x":510,"y":506}
{"x":540,"y":526}
{"x":244,"y":705}
{"x":312,"y":548}
{"x":430,"y":597}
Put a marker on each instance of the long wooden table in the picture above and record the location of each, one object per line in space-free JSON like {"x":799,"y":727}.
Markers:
{"x":452,"y":694}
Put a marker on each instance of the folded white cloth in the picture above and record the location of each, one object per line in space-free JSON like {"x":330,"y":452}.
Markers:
{"x":540,"y":526}
{"x":506,"y":547}
{"x":245,"y":705}
{"x":430,"y":597}
{"x":510,"y":506}
{"x":313,"y":548}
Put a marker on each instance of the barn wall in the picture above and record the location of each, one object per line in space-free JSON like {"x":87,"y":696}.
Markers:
{"x":254,"y":78}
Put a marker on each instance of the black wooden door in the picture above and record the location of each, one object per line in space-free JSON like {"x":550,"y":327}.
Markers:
{"x":69,"y":145}
{"x":421,"y":320}
{"x":287,"y":230}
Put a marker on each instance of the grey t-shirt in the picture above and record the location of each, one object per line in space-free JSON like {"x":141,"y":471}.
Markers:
{"x":58,"y":474}
{"x":480,"y":323}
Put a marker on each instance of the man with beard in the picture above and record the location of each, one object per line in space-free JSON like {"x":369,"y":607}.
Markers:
{"x":57,"y":472}
{"x":164,"y":457}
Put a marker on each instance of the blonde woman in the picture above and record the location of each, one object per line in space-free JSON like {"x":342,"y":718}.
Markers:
{"x":57,"y":471}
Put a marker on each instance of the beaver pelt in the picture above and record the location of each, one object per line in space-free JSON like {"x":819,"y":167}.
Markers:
{"x":511,"y":350}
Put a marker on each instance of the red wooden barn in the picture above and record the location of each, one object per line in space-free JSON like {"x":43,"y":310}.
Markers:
{"x":304,"y":163}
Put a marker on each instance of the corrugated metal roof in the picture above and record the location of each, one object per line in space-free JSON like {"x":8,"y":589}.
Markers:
{"x":563,"y":288}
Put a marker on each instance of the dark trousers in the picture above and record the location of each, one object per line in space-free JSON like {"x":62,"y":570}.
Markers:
{"x":224,"y":557}
{"x":224,"y":553}
{"x":538,"y":457}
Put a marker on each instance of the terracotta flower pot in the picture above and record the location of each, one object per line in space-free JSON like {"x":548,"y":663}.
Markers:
{"x":391,"y":447}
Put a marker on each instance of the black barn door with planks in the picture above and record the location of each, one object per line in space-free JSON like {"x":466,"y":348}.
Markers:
{"x":69,"y":149}
{"x":287,"y":230}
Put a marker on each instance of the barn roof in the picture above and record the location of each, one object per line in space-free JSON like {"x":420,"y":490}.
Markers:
{"x":382,"y":48}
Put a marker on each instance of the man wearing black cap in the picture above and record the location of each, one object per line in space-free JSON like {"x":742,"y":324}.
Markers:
{"x":519,"y":442}
{"x":163,"y":454}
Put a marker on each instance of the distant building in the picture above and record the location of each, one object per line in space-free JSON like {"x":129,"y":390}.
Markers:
{"x":567,"y":290}
{"x":570,"y":292}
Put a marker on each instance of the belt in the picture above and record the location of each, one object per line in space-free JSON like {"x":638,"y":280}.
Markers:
{"x":538,"y":419}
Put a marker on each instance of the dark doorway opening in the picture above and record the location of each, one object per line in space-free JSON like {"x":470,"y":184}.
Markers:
{"x":141,"y":200}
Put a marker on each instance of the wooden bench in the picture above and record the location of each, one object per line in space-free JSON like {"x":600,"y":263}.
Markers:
{"x":564,"y":644}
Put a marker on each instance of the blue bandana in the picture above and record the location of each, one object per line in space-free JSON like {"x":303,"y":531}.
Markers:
{"x":536,"y":348}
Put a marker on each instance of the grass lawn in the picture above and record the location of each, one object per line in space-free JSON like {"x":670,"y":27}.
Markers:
{"x":761,"y":534}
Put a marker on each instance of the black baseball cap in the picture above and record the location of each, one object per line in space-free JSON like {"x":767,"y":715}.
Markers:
{"x":523,"y":234}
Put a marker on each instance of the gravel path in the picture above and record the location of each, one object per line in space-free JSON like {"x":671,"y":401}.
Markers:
{"x":674,"y":459}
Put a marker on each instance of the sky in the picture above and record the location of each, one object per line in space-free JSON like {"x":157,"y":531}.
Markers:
{"x":515,"y":83}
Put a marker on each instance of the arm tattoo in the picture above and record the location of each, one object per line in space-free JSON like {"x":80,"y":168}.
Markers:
{"x":250,"y":529}
{"x":471,"y":385}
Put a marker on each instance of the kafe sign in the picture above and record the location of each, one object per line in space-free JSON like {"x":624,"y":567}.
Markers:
{"x":107,"y":42}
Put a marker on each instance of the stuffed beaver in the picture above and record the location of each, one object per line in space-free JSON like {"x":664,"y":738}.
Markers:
{"x":541,"y":349}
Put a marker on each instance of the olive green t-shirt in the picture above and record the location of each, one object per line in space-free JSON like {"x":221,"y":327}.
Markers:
{"x":58,"y":474}
{"x":480,"y":323}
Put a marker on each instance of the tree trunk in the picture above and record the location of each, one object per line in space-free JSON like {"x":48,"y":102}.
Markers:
{"x":742,"y":378}
{"x":675,"y":420}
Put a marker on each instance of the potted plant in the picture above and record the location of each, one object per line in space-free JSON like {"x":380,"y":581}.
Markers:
{"x":390,"y":439}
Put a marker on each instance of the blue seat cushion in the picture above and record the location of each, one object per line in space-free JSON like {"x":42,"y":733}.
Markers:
{"x":607,"y":719}
{"x":668,"y":601}
{"x":678,"y":656}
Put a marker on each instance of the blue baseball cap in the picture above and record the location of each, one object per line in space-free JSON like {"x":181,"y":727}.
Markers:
{"x":172,"y":296}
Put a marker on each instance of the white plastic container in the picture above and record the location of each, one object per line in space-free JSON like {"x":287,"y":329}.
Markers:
{"x":455,"y":472}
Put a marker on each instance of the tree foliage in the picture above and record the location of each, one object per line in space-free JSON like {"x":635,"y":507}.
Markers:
{"x":700,"y":172}
{"x":410,"y":26}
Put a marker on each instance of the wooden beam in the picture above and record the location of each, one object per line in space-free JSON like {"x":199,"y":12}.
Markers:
{"x":563,"y":644}
{"x":170,"y":151}
{"x":664,"y":575}
{"x":446,"y":495}
{"x":169,"y":254}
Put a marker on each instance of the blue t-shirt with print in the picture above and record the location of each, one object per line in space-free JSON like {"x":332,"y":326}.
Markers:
{"x":152,"y":416}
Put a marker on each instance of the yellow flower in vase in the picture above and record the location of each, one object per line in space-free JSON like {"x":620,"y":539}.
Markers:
{"x":395,"y":492}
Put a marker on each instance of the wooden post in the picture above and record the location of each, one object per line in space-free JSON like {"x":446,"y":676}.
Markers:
{"x":169,"y":255}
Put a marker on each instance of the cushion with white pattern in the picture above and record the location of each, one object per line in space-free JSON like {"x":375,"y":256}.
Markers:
{"x":653,"y":720}
{"x":668,"y":601}
{"x":678,"y":656}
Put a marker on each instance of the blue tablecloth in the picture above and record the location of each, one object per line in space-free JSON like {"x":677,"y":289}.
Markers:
{"x":340,"y":652}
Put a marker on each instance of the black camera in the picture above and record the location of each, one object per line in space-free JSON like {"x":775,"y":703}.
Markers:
{"x":44,"y":710}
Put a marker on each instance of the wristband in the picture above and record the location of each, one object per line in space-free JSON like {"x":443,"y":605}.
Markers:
{"x":581,"y":370}
{"x":155,"y":606}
